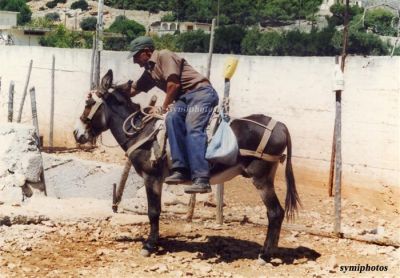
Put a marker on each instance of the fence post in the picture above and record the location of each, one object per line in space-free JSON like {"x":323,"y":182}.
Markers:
{"x":92,"y":62}
{"x":21,"y":106}
{"x":34,"y":114}
{"x":11,"y":102}
{"x":192,"y":201}
{"x":52,"y":103}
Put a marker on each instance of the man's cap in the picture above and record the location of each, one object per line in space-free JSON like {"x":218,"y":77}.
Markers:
{"x":138,"y":44}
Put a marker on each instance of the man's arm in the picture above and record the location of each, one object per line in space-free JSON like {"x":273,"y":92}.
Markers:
{"x":173,"y":88}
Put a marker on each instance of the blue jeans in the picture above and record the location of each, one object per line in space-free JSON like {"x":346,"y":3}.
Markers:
{"x":186,"y":122}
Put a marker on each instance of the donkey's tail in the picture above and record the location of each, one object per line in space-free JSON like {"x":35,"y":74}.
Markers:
{"x":292,"y":198}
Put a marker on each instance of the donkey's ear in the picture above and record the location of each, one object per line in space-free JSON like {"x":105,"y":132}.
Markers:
{"x":106,"y":81}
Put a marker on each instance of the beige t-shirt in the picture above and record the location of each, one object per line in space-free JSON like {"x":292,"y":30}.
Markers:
{"x":163,"y":64}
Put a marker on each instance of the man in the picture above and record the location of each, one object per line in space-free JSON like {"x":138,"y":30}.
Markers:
{"x":187,"y":119}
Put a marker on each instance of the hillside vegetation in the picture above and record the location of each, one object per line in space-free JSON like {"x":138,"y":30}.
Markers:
{"x":244,"y":26}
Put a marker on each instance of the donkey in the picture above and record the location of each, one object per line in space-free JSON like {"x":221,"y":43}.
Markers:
{"x":114,"y":106}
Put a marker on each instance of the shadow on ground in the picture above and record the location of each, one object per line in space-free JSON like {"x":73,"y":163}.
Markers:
{"x":229,"y":249}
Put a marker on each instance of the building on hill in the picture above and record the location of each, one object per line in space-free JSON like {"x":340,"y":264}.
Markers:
{"x":11,"y":34}
{"x":163,"y":27}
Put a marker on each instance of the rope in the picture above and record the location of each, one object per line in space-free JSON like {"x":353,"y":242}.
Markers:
{"x":147,"y":118}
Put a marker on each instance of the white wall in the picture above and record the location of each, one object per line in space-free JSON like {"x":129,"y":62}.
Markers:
{"x":294,"y":90}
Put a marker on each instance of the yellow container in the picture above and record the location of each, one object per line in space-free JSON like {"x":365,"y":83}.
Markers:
{"x":230,"y":67}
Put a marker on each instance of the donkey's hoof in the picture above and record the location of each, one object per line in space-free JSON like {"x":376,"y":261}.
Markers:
{"x":263,"y":259}
{"x":145,"y":253}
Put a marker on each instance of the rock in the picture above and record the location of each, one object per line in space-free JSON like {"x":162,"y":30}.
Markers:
{"x":203,"y":268}
{"x":26,"y":248}
{"x":121,"y":237}
{"x":128,"y":219}
{"x":300,"y":261}
{"x":162,"y":268}
{"x":187,"y":228}
{"x":20,"y":161}
{"x":276,"y":261}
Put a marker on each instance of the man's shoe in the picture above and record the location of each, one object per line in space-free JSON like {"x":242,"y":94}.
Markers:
{"x":200,"y":185}
{"x":177,"y":177}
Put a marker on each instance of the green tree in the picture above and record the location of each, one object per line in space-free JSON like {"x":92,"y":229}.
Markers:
{"x":20,"y":6}
{"x":249,"y":43}
{"x":130,"y":28}
{"x":88,"y":23}
{"x":60,"y":37}
{"x":228,"y":39}
{"x":338,"y":12}
{"x":381,"y":22}
{"x":80,"y":4}
{"x":166,"y":41}
{"x":41,"y":22}
{"x":52,"y":16}
{"x":361,"y":43}
{"x":194,"y":41}
{"x":282,"y":10}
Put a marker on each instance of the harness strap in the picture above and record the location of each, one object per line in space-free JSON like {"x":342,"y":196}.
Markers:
{"x":142,"y":141}
{"x":265,"y":137}
{"x":93,"y":110}
{"x":267,"y":157}
{"x":259,"y":152}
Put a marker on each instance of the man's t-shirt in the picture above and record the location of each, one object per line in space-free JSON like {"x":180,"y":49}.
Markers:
{"x":163,"y":64}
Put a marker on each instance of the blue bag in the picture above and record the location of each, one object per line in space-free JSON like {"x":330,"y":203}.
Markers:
{"x":223,"y":147}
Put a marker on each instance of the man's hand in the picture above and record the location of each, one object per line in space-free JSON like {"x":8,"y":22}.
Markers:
{"x":157,"y":110}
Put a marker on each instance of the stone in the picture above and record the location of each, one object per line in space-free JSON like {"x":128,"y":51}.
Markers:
{"x":202,"y":268}
{"x":20,"y":162}
{"x":276,"y":261}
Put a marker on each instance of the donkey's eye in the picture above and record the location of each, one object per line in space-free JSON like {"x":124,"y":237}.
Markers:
{"x":90,"y":102}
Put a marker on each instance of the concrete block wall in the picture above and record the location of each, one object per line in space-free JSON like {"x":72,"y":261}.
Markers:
{"x":294,"y":90}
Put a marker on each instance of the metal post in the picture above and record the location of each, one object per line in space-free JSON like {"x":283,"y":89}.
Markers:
{"x":99,"y":46}
{"x":34,"y":114}
{"x":338,"y":133}
{"x":192,"y":201}
{"x":21,"y":106}
{"x":52,"y":103}
{"x":211,"y":48}
{"x":11,"y":102}
{"x":92,"y":62}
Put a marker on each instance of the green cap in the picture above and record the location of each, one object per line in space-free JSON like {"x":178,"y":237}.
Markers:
{"x":138,"y":44}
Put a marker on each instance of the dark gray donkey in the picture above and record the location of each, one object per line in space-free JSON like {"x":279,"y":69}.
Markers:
{"x":112,"y":108}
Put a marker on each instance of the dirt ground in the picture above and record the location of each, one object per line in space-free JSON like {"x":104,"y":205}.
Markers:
{"x":102,"y":247}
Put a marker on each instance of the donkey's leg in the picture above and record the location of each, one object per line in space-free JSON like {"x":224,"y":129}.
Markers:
{"x":153,"y":189}
{"x":275,"y":212}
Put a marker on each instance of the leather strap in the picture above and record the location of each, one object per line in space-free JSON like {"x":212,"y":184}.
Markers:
{"x":265,"y":137}
{"x":93,"y":110}
{"x":267,"y":157}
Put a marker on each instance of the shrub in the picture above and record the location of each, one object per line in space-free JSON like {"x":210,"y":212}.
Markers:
{"x":228,"y":39}
{"x":381,"y":22}
{"x":130,"y":28}
{"x":52,"y":16}
{"x":88,"y":24}
{"x":64,"y":38}
{"x":51,"y":4}
{"x":80,"y":4}
{"x":194,"y":41}
{"x":41,"y":22}
{"x":166,"y":41}
{"x":168,"y":17}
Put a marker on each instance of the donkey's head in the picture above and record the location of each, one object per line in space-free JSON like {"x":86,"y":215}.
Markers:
{"x":109,"y":106}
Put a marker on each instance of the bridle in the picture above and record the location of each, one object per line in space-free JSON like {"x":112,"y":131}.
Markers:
{"x":94,"y":103}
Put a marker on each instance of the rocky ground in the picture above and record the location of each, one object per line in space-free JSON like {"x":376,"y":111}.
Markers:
{"x":77,"y":237}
